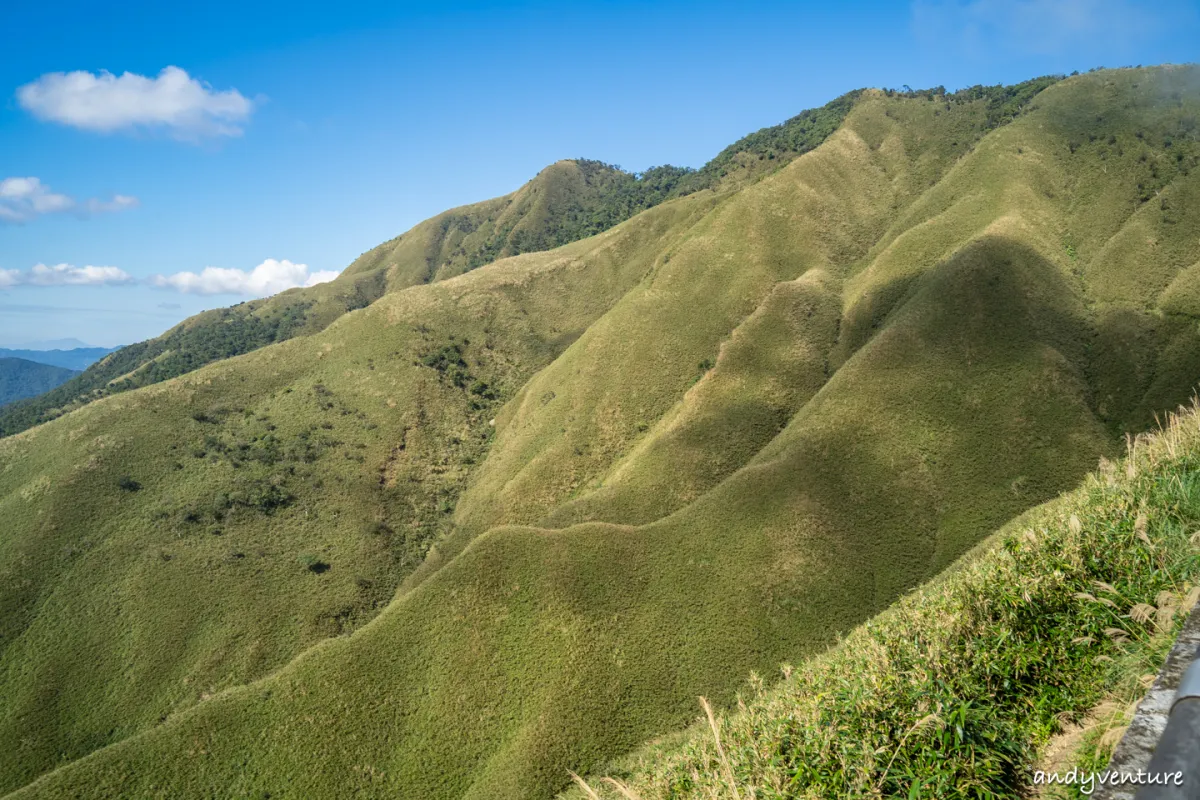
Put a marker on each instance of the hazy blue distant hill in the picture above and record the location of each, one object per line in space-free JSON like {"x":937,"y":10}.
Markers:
{"x":79,"y":358}
{"x":20,"y":378}
{"x":56,"y":344}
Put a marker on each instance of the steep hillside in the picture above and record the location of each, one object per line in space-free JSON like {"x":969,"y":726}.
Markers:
{"x":957,"y":689}
{"x":212,"y":527}
{"x":20,"y":378}
{"x":605,"y":478}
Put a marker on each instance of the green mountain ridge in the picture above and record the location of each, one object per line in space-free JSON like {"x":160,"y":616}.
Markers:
{"x":507,"y":521}
{"x":21,"y":378}
{"x":567,"y":201}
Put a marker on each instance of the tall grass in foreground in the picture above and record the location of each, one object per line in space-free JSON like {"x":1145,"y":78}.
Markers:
{"x":952,"y":692}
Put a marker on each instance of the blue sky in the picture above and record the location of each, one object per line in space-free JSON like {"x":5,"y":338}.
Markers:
{"x":298,"y":136}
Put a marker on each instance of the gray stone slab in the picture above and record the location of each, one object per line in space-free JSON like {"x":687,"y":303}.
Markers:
{"x":1136,"y":747}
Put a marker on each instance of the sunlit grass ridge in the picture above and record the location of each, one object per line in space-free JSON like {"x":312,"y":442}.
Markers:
{"x":954,"y":690}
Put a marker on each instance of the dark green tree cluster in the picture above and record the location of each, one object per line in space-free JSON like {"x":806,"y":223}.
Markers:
{"x":1004,"y":103}
{"x":619,"y":196}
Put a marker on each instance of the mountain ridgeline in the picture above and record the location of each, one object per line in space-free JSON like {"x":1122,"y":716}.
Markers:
{"x":503,"y":499}
{"x":567,"y":201}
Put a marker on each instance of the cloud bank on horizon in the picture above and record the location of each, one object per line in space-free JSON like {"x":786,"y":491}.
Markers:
{"x":105,"y":103}
{"x":268,"y":278}
{"x":23,"y":199}
{"x":64,"y":275}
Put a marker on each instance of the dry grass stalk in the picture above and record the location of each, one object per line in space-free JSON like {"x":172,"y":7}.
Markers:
{"x":712,"y":723}
{"x":1130,"y":459}
{"x":1109,"y":739}
{"x":626,"y":792}
{"x":1139,"y":527}
{"x":1116,"y":634}
{"x":1142,"y":612}
{"x":582,"y":784}
{"x":922,"y":722}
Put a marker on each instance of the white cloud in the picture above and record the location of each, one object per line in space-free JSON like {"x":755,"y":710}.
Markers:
{"x":269,"y":277}
{"x":22,"y":199}
{"x":1043,"y":27}
{"x":64,"y":275}
{"x":69,"y":275}
{"x":321,"y":276}
{"x":25,"y":198}
{"x":174,"y":101}
{"x":119,"y":202}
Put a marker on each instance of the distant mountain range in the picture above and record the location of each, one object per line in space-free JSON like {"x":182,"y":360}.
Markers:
{"x":56,"y":344}
{"x":20,"y":378}
{"x":74,"y":359}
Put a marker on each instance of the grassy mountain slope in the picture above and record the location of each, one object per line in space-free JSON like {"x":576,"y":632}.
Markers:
{"x":885,"y":349}
{"x":212,"y":527}
{"x":957,"y":689}
{"x":20,"y":378}
{"x":567,"y":201}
